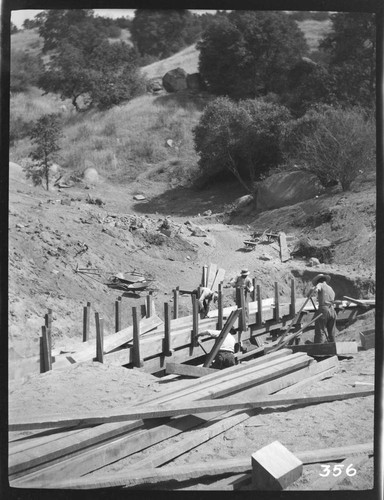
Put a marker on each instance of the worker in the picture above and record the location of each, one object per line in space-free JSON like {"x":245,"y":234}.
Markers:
{"x":325,"y":326}
{"x":245,"y":283}
{"x":205,"y":300}
{"x":226,"y":355}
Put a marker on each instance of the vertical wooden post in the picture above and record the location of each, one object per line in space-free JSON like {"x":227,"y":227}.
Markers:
{"x":254,"y":294}
{"x":86,"y":317}
{"x":277,"y":302}
{"x":47,"y":363}
{"x":293,"y":298}
{"x":167,"y":330}
{"x":205,"y":276}
{"x":149,"y":305}
{"x":48,"y":324}
{"x":118,"y":315}
{"x":143,"y":310}
{"x":137,"y":362}
{"x":99,"y":338}
{"x":259,"y":307}
{"x":176,"y":302}
{"x":195,"y":321}
{"x":242,"y":318}
{"x":220,"y":306}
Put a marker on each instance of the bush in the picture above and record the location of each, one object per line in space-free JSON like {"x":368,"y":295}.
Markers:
{"x":333,"y":143}
{"x":25,"y":70}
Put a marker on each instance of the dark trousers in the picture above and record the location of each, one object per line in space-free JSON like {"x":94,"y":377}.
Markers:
{"x":325,"y":326}
{"x":223,"y":359}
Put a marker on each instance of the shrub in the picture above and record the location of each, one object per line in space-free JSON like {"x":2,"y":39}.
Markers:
{"x":334,"y":144}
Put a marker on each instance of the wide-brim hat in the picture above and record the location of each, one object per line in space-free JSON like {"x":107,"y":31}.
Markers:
{"x":244,"y":272}
{"x":319,"y":276}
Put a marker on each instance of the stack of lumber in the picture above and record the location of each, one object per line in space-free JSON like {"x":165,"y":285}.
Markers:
{"x":67,"y":447}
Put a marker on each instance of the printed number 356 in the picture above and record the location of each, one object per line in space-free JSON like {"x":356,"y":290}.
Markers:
{"x":337,"y":470}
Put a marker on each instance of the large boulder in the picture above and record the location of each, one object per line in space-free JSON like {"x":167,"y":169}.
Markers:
{"x":287,"y":188}
{"x":175,"y":80}
{"x":91,"y":176}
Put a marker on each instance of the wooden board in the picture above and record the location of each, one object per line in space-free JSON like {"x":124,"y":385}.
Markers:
{"x":194,"y":408}
{"x":326,"y":348}
{"x":367,"y":339}
{"x":220,"y":275}
{"x":189,"y":471}
{"x":284,"y":252}
{"x":212,"y":270}
{"x":188,"y":370}
{"x":274,"y":467}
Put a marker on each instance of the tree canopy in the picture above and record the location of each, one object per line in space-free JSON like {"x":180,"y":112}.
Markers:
{"x":248,"y":53}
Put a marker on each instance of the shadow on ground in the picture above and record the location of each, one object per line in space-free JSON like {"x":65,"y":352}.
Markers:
{"x":189,"y":202}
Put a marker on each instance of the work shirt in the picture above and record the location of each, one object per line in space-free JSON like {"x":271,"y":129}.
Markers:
{"x":325,"y":294}
{"x":229,"y":341}
{"x":205,"y":293}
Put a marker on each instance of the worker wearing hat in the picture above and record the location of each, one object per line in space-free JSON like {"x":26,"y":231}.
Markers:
{"x":325,"y":326}
{"x":226,"y":355}
{"x":243,"y":282}
{"x":205,"y":299}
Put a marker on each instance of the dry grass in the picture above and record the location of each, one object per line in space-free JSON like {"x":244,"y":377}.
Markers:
{"x":187,"y":59}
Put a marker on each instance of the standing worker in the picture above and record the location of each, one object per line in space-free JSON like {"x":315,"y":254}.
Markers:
{"x":243,"y":282}
{"x":325,"y":326}
{"x":226,"y":355}
{"x":205,"y":300}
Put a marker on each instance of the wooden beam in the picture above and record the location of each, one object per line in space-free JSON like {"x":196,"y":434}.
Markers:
{"x":292,"y":311}
{"x":367,"y":339}
{"x":277,"y":302}
{"x":259,"y":320}
{"x":188,"y":370}
{"x":220,"y":339}
{"x":219,"y":278}
{"x":99,"y":338}
{"x":357,"y":302}
{"x":190,"y":471}
{"x":195,"y":322}
{"x":86,"y":317}
{"x":212,"y":269}
{"x":328,"y":348}
{"x":193,"y":408}
{"x":274,"y":467}
{"x":205,"y":276}
{"x":254,"y":292}
{"x":137,"y":361}
{"x":220,"y":306}
{"x":167,"y":330}
{"x":176,"y":294}
{"x":118,"y":315}
{"x":149,"y":305}
{"x":47,"y":358}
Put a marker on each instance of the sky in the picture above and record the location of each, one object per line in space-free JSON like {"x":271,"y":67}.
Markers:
{"x":19,"y":16}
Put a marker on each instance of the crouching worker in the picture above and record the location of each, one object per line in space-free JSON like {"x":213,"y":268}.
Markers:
{"x":205,"y":300}
{"x":226,"y":355}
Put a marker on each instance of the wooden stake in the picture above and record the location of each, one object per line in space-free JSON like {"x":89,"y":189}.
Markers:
{"x":277,"y":302}
{"x":86,"y":316}
{"x":46,"y":349}
{"x":176,"y":302}
{"x":167,"y":330}
{"x":149,"y":305}
{"x":143,"y":310}
{"x":254,"y":294}
{"x":137,"y":361}
{"x":220,"y":306}
{"x":242,"y":317}
{"x":195,"y":321}
{"x":259,"y":307}
{"x":99,"y":338}
{"x":228,"y":325}
{"x":205,"y":276}
{"x":118,"y":315}
{"x":293,"y":298}
{"x":48,"y":324}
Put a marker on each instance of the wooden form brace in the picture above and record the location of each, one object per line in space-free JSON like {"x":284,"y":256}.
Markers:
{"x":86,"y":320}
{"x":220,"y":339}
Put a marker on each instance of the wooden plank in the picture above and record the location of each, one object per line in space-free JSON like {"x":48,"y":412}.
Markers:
{"x":87,"y":461}
{"x":195,"y":322}
{"x":220,"y":339}
{"x":47,"y":358}
{"x":188,"y":370}
{"x":176,"y":295}
{"x":212,"y":269}
{"x":167,"y":329}
{"x":326,"y":348}
{"x":260,"y":318}
{"x":274,"y":468}
{"x":342,"y":470}
{"x":219,"y":278}
{"x":277,"y":302}
{"x":284,"y":252}
{"x":118,"y":315}
{"x":137,"y":360}
{"x":149,"y":304}
{"x":205,"y":276}
{"x":220,"y":306}
{"x":367,"y":339}
{"x":193,"y":408}
{"x":360,"y":303}
{"x":114,"y":340}
{"x":292,"y":311}
{"x":99,"y":338}
{"x":190,"y":471}
{"x":86,"y":319}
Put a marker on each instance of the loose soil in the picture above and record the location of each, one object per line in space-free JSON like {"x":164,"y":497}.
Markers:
{"x":48,"y":240}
